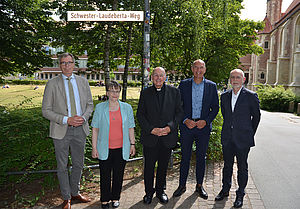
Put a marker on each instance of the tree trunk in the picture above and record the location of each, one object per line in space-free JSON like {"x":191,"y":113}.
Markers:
{"x":107,"y":46}
{"x":128,"y":52}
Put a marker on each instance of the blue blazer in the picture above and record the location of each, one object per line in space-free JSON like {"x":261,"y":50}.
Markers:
{"x":101,"y":121}
{"x":239,"y":126}
{"x":210,"y":103}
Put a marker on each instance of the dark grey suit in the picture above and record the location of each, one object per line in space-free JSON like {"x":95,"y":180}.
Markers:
{"x":239,"y":127}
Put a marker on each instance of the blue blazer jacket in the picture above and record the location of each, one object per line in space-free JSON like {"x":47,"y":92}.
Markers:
{"x":239,"y":126}
{"x":210,"y":104}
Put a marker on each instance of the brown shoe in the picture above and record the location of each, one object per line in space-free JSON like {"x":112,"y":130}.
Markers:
{"x":66,"y":204}
{"x":81,"y":198}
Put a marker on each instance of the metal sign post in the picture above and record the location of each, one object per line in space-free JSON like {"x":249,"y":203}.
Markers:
{"x":146,"y":59}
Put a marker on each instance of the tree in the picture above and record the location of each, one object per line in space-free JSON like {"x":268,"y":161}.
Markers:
{"x":183,"y":31}
{"x":25,"y":28}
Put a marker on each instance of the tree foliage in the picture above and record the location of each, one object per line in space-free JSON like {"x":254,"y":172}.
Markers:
{"x":181,"y":31}
{"x":25,"y":27}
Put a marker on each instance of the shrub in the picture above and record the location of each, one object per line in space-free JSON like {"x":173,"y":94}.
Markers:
{"x":275,"y":98}
{"x":25,"y":82}
{"x":214,"y":151}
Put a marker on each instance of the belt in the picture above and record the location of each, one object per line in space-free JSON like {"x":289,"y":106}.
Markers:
{"x":195,"y":119}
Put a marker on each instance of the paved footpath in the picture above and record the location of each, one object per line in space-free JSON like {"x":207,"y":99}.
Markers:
{"x":133,"y":192}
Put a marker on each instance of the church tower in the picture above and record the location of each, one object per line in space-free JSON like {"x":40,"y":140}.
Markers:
{"x":274,"y":11}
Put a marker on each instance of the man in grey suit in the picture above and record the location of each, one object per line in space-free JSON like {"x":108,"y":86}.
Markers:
{"x":68,"y":104}
{"x":241,"y":114}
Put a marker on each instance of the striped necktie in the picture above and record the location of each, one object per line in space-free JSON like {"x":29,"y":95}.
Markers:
{"x":72,"y":98}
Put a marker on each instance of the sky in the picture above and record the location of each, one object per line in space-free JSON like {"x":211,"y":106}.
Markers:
{"x":256,"y":9}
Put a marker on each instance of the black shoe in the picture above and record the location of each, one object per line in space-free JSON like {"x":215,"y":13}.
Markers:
{"x":163,"y":198}
{"x":147,"y":199}
{"x":106,"y":205}
{"x":221,"y":195}
{"x":179,"y":191}
{"x":202,"y":193}
{"x":115,"y":204}
{"x":238,"y":203}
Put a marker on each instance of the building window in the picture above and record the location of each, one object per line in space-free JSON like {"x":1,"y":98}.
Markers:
{"x":117,"y":77}
{"x":88,"y":76}
{"x":56,"y":74}
{"x":42,"y":76}
{"x":266,"y":44}
{"x":82,"y":63}
{"x":97,"y":76}
{"x":46,"y":76}
{"x":262,"y":76}
{"x":133,"y":77}
{"x":102,"y":76}
{"x":93,"y":76}
{"x":50,"y":75}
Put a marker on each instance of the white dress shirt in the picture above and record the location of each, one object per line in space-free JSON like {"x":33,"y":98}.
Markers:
{"x":76,"y":96}
{"x":234,"y":98}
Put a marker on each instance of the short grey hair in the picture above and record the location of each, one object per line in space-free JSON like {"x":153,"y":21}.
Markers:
{"x":198,"y":60}
{"x":239,"y":71}
{"x":66,"y":54}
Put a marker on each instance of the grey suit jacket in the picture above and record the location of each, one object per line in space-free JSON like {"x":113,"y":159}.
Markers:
{"x":54,"y":106}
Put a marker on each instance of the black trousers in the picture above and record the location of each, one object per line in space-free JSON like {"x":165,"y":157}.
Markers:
{"x":229,"y":151}
{"x":111,"y":175}
{"x":161,"y":155}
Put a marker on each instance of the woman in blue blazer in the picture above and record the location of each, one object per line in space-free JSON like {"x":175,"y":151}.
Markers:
{"x":113,"y":142}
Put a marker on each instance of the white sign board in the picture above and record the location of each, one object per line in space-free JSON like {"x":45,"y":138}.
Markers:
{"x":105,"y":16}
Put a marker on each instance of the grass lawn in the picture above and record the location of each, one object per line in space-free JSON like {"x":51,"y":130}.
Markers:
{"x":17,"y":94}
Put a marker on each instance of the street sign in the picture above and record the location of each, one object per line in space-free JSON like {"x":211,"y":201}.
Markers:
{"x":105,"y":16}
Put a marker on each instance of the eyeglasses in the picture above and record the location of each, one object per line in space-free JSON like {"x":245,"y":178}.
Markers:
{"x":114,"y":92}
{"x":66,"y":63}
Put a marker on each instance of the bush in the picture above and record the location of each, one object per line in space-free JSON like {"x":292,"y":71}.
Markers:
{"x":275,"y":99}
{"x":214,"y":151}
{"x":24,"y":82}
{"x":24,"y":142}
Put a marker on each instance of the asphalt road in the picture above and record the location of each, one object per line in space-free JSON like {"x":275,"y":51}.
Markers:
{"x":274,"y":162}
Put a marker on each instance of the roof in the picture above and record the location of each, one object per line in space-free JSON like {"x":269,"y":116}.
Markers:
{"x":268,"y":26}
{"x":292,"y":5}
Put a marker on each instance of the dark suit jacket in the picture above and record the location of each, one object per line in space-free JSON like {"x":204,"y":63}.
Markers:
{"x":240,"y":125}
{"x":151,"y":116}
{"x":210,"y":102}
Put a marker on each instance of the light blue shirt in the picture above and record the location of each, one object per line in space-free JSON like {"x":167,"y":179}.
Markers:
{"x":197,"y":98}
{"x":101,"y":121}
{"x":76,"y":96}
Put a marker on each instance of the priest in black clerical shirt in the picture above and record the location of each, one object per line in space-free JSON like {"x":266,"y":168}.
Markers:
{"x":159,"y":112}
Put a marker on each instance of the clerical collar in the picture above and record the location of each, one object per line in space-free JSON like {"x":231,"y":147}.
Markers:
{"x":158,"y":90}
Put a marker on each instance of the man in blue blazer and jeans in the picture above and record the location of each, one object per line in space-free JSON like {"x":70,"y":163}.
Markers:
{"x":241,"y":114}
{"x":200,"y":102}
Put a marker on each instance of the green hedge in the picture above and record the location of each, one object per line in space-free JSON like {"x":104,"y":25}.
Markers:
{"x":24,"y":82}
{"x":27,"y":147}
{"x":275,"y":98}
{"x":43,"y":82}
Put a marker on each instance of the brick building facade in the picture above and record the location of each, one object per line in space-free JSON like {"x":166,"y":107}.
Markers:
{"x":280,"y":39}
